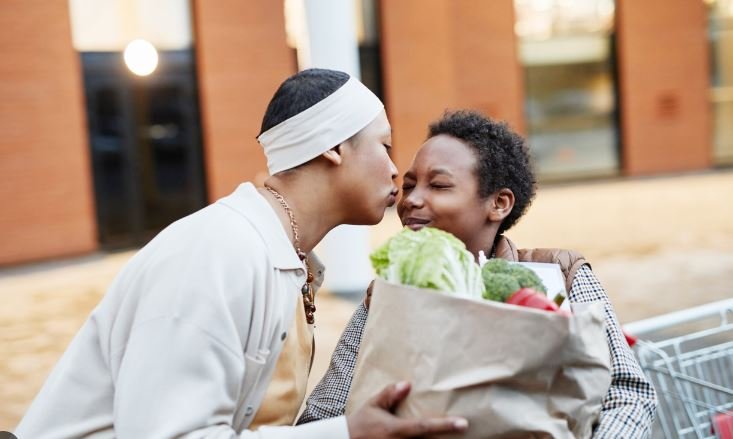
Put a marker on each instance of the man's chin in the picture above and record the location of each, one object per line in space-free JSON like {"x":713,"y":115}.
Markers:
{"x":371,"y":220}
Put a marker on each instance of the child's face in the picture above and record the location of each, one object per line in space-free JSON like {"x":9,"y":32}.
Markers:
{"x":441,"y":190}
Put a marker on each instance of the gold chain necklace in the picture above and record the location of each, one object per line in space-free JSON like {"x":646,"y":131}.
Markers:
{"x":307,"y":289}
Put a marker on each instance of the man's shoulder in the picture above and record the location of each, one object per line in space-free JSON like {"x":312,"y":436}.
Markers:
{"x":213,"y":237}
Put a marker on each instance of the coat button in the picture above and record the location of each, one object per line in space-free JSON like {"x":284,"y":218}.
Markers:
{"x":283,"y":336}
{"x":249,"y":410}
{"x":300,"y":272}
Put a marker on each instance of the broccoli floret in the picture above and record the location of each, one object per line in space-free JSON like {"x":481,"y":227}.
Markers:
{"x":497,"y":266}
{"x":527,"y":278}
{"x":502,"y":279}
{"x":499,"y":286}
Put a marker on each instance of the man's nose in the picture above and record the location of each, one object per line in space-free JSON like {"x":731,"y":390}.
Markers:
{"x":393,"y":169}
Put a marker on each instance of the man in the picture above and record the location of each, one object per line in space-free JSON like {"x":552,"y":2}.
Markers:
{"x":187,"y":340}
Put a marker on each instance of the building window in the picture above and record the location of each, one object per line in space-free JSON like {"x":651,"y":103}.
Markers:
{"x":720,"y":16}
{"x":142,"y":111}
{"x":367,"y":30}
{"x":567,"y":52}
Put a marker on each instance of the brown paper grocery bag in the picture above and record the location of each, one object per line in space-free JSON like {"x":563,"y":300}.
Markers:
{"x":511,"y":371}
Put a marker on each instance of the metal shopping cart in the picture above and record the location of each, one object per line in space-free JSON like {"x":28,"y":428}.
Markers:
{"x":688,"y":355}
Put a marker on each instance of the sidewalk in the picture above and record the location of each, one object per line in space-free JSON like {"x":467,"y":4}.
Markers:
{"x":657,"y":245}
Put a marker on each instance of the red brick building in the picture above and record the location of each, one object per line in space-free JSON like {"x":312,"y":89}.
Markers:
{"x":435,"y":54}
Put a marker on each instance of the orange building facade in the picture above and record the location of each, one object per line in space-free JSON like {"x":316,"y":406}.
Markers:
{"x":435,"y":55}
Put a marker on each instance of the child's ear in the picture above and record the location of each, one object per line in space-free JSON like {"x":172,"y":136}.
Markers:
{"x":333,"y":155}
{"x":500,"y":205}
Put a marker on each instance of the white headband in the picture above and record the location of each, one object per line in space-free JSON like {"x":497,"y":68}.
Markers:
{"x":321,"y":127}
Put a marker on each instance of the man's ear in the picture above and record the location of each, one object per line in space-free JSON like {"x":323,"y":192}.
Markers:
{"x":333,"y":155}
{"x":501,"y":204}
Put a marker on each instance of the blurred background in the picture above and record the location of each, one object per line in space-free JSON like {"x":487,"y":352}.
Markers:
{"x":118,"y":117}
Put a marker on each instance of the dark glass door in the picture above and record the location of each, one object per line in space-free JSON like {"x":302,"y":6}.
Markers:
{"x":145,"y":145}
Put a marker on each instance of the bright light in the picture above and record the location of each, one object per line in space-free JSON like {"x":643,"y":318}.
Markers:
{"x":141,"y":57}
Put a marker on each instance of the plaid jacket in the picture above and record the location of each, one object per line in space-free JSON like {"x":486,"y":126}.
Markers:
{"x":628,"y":408}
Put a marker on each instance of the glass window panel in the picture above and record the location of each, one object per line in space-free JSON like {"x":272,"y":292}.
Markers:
{"x":566,"y":50}
{"x":144,"y":130}
{"x":721,"y":51}
{"x":367,"y":15}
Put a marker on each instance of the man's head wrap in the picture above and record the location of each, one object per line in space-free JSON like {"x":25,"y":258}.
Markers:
{"x":321,"y":127}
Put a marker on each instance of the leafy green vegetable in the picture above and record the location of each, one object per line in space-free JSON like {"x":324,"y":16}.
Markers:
{"x":499,"y":286}
{"x":527,"y":278}
{"x":429,"y":258}
{"x":434,"y":259}
{"x":502,"y":279}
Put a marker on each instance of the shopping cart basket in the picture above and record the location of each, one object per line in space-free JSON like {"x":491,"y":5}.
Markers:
{"x":688,"y":355}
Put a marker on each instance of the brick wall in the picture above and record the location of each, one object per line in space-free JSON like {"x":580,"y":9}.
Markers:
{"x":46,"y":190}
{"x":664,"y":81}
{"x":447,"y":54}
{"x":242,"y":57}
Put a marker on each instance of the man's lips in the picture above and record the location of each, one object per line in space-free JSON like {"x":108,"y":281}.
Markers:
{"x":392,"y":198}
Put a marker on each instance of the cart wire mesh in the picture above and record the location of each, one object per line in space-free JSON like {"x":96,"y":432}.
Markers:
{"x":688,"y":356}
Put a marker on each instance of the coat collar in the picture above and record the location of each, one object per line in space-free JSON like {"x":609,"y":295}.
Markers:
{"x":505,"y":249}
{"x":249,"y":203}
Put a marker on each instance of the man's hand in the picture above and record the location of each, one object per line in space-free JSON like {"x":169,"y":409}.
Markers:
{"x":375,"y":418}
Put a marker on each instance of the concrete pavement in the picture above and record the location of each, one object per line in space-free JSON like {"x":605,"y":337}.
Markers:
{"x":657,"y":244}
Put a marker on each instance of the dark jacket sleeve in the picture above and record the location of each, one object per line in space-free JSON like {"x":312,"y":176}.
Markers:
{"x":328,"y":398}
{"x":630,"y":404}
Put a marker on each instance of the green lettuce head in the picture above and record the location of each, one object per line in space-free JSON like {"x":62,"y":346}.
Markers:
{"x":429,"y":258}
